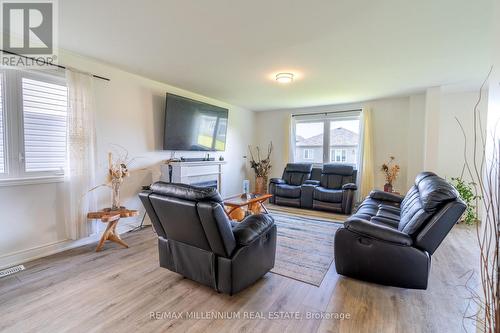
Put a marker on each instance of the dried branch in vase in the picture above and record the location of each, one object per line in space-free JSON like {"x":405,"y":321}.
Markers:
{"x":483,"y":168}
{"x":262,"y":167}
{"x":118,"y":169}
{"x":390,"y":170}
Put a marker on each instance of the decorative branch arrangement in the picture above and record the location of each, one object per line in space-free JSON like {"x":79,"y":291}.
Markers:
{"x":118,"y":169}
{"x":391,"y":172}
{"x":485,"y":175}
{"x":262,"y":167}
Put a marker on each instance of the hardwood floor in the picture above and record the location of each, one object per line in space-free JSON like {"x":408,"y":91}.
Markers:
{"x":316,"y":214}
{"x":116,"y":290}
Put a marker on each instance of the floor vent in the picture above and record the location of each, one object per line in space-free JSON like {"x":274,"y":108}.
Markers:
{"x":11,"y":270}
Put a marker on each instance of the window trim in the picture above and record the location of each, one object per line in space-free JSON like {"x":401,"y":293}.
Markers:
{"x":13,"y":112}
{"x":310,"y":154}
{"x":342,"y":153}
{"x":326,"y":118}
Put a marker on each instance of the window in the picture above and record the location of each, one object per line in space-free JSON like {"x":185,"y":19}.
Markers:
{"x":308,"y":138}
{"x":2,"y":131}
{"x":340,"y":146}
{"x":338,"y":155}
{"x":344,"y":140}
{"x":33,"y":112}
{"x":308,"y":154}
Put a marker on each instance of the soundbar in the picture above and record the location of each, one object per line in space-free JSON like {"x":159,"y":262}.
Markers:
{"x":196,"y":159}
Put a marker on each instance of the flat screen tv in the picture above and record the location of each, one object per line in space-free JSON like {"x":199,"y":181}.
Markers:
{"x":193,"y":125}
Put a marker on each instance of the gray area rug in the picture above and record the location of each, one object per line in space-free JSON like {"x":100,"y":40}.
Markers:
{"x":304,"y":248}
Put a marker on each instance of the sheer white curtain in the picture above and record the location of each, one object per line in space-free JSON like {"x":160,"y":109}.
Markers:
{"x":366,"y":172}
{"x":81,"y":159}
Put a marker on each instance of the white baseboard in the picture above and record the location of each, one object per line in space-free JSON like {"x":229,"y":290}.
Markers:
{"x":20,"y":257}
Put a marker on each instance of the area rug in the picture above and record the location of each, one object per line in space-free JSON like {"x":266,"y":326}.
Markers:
{"x":304,"y":249}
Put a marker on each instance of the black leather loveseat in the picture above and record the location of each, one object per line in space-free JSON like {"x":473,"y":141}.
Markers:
{"x":329,"y":188}
{"x":197,"y":240}
{"x":390,"y":239}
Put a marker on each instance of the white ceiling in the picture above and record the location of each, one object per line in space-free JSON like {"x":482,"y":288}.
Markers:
{"x":343,"y":50}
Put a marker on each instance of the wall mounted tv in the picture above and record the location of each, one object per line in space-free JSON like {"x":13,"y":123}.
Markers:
{"x":193,"y":125}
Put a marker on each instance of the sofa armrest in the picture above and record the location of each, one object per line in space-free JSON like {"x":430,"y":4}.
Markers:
{"x":306,"y":195}
{"x":379,"y":232}
{"x":390,"y":209}
{"x":277,"y":181}
{"x":312,"y":182}
{"x":349,"y":186}
{"x":385,"y":196}
{"x":252,"y":228}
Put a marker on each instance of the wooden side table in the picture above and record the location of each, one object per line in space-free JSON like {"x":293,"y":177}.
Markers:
{"x":111,"y":217}
{"x":254,"y":203}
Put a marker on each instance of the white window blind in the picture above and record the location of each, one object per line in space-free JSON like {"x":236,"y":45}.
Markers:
{"x":44,"y":114}
{"x":2,"y":131}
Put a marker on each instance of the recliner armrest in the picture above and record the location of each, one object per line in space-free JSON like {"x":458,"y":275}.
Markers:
{"x":311,"y":182}
{"x":377,"y":231}
{"x":349,"y":186}
{"x":251,"y":228}
{"x":277,"y":181}
{"x":385,"y":196}
{"x":389,"y":208}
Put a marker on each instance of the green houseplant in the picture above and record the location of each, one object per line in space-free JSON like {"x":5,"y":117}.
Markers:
{"x":468,"y":194}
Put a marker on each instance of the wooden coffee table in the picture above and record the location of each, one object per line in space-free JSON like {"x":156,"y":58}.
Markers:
{"x":253,"y":202}
{"x":111,"y":217}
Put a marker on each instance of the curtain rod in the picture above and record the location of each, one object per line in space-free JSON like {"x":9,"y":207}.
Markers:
{"x":324,"y":113}
{"x":50,"y":64}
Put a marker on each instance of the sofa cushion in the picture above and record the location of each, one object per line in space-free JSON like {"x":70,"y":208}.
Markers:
{"x":186,"y":192}
{"x":334,"y":175}
{"x":297,"y":173}
{"x":299,"y":167}
{"x":327,"y":195}
{"x":435,"y":192}
{"x":338,"y":169}
{"x":429,"y":193}
{"x":287,"y":191}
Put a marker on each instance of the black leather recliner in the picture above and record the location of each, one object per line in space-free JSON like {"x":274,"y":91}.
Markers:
{"x":287,"y":189}
{"x":390,"y":239}
{"x":330,"y":188}
{"x":336,"y":189}
{"x":197,"y":240}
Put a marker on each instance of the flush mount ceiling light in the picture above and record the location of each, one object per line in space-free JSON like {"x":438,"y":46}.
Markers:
{"x":284,"y":77}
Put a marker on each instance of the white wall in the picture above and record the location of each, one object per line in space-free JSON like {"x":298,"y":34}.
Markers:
{"x":416,"y":137}
{"x":398,"y":130}
{"x":130,"y":111}
{"x":457,"y":106}
{"x":390,"y":119}
{"x":390,"y":127}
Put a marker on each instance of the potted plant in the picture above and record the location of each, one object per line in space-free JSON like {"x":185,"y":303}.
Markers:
{"x":468,"y":194}
{"x":261,"y":168}
{"x":391,"y":172}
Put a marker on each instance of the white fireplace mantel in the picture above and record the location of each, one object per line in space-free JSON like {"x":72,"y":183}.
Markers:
{"x":193,"y":172}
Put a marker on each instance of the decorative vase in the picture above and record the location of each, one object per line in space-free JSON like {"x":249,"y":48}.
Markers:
{"x":260,"y":185}
{"x":115,"y":193}
{"x":388,"y":187}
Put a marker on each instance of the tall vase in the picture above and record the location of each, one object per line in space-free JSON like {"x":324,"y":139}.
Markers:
{"x":388,"y":188}
{"x":260,"y":185}
{"x":115,"y":193}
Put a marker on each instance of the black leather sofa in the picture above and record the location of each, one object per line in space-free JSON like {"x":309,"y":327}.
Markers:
{"x":287,"y":190}
{"x":390,"y":239}
{"x":330,"y":188}
{"x":197,"y":240}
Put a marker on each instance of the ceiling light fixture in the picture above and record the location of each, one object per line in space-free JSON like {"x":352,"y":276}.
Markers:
{"x":284,"y":77}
